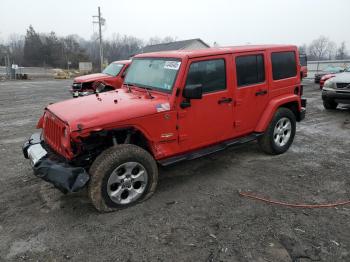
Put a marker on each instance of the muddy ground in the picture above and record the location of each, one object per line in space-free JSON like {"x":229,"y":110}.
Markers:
{"x":196,"y":213}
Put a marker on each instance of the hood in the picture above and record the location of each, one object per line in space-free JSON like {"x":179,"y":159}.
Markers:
{"x":327,"y":76}
{"x":342,"y":77}
{"x":91,"y":78}
{"x":107,"y":108}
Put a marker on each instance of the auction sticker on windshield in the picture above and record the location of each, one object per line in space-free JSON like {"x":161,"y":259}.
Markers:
{"x":173,"y":65}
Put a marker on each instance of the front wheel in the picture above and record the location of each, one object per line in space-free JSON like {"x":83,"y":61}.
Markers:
{"x":280,"y":133}
{"x":329,"y":104}
{"x":122,"y":176}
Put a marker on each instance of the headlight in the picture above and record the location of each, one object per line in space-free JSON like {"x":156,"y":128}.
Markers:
{"x":77,"y":86}
{"x":330,"y":84}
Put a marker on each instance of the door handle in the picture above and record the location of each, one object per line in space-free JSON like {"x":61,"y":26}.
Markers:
{"x":261,"y":93}
{"x":225,"y":100}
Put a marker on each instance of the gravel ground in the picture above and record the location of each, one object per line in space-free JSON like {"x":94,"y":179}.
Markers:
{"x":196,"y":213}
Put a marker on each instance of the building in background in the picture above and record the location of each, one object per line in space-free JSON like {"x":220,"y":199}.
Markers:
{"x":177,"y":45}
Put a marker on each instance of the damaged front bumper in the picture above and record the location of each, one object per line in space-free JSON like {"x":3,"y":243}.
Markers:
{"x":46,"y":165}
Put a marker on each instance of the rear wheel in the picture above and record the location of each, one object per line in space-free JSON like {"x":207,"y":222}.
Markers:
{"x":122,"y":176}
{"x":280,"y":133}
{"x":329,"y":104}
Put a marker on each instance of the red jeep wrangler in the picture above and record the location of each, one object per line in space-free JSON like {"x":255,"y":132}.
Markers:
{"x":173,"y":106}
{"x":111,"y":78}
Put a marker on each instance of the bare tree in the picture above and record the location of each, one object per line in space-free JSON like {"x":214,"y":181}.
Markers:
{"x":321,"y":48}
{"x":331,"y":50}
{"x":157,"y":40}
{"x":341,"y":52}
{"x":169,"y":39}
{"x":16,"y":45}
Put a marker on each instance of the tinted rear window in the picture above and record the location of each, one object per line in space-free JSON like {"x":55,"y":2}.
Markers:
{"x":283,"y":65}
{"x":250,"y":69}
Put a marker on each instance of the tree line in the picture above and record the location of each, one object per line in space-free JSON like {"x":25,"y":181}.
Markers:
{"x":50,"y":50}
{"x":323,"y":48}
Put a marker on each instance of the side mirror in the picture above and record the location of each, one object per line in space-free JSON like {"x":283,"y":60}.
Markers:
{"x":193,"y":91}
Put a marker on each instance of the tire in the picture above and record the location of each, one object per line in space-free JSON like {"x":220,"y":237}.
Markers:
{"x":122,"y":176}
{"x":278,"y":137}
{"x":329,"y":104}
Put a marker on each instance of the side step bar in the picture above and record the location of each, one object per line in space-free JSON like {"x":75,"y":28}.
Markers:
{"x":209,"y":150}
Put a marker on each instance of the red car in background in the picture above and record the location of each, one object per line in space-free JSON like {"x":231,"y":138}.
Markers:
{"x":303,"y":63}
{"x":328,"y":76}
{"x":324,"y":79}
{"x":111,"y":78}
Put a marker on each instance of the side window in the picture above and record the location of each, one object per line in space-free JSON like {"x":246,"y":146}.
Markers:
{"x":250,"y":69}
{"x":283,"y":65}
{"x":211,"y":74}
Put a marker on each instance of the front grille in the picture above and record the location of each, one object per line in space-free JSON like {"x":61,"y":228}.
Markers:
{"x":87,"y":85}
{"x":53,"y":132}
{"x":343,"y":85}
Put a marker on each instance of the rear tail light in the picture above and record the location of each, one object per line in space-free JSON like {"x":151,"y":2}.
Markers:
{"x":296,"y":90}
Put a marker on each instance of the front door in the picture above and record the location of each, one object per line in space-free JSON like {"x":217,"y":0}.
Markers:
{"x":207,"y":120}
{"x":251,"y":90}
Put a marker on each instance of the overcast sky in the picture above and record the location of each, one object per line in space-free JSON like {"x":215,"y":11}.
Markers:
{"x":228,"y":22}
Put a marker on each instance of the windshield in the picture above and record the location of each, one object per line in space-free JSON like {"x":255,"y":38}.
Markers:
{"x":333,"y":69}
{"x":153,"y":73}
{"x":347,"y":69}
{"x":113,"y":69}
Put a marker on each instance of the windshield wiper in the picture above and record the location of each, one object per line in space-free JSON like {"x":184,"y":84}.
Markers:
{"x":148,"y":92}
{"x":147,"y":89}
{"x":129,"y":85}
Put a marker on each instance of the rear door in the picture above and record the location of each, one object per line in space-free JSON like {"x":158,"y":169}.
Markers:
{"x":251,"y":90}
{"x":208,"y":120}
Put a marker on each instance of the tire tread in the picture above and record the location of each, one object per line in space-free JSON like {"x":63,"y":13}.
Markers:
{"x":266,"y":142}
{"x":106,"y":161}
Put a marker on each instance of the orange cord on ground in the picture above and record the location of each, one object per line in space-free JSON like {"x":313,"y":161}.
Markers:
{"x":246,"y":194}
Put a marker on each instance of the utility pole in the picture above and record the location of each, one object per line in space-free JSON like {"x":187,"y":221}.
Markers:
{"x":100,"y":21}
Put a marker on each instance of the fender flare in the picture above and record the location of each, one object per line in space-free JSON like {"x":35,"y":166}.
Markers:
{"x":136,"y":128}
{"x":272,"y":107}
